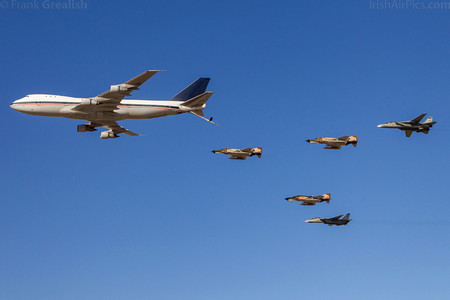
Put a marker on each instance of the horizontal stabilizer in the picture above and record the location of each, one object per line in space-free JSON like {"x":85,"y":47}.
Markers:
{"x":198,"y":101}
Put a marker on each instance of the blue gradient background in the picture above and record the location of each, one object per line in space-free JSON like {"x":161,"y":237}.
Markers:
{"x":161,"y":217}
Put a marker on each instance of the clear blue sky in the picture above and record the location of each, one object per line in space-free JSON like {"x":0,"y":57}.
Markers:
{"x":161,"y":217}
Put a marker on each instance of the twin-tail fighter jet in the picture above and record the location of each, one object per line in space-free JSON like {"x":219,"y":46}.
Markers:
{"x":331,"y":221}
{"x":240,"y":154}
{"x":311,"y":200}
{"x":109,"y":107}
{"x":335,"y":143}
{"x":410,"y":126}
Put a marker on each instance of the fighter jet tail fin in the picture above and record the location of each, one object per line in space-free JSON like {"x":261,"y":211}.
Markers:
{"x":429,"y":121}
{"x":196,"y":88}
{"x":346,"y":217}
{"x":260,"y":153}
{"x":327,"y":197}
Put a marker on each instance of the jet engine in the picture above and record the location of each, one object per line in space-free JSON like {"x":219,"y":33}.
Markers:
{"x":85,"y":127}
{"x":90,"y":102}
{"x":121,"y":88}
{"x":108,"y":135}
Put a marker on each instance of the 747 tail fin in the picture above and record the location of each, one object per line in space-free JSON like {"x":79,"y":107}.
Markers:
{"x":194,"y":89}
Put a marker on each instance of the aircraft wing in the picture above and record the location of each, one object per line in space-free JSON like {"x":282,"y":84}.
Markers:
{"x":109,"y":100}
{"x":114,"y":127}
{"x":120,"y":91}
{"x":238,"y":157}
{"x":308,"y":202}
{"x":336,"y":144}
{"x":418,"y":119}
{"x":345,"y":137}
{"x":335,"y":218}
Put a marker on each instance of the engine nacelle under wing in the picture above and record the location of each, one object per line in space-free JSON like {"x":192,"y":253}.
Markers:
{"x":90,"y":102}
{"x":124,"y":88}
{"x":85,"y":127}
{"x":108,"y":135}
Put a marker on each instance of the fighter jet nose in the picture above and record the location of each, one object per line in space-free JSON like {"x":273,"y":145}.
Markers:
{"x":308,"y":141}
{"x":380,"y":126}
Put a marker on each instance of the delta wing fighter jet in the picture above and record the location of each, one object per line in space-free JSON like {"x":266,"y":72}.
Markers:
{"x":240,"y":154}
{"x":335,"y":143}
{"x":311,"y":200}
{"x":331,"y":221}
{"x":109,"y":107}
{"x":410,"y":126}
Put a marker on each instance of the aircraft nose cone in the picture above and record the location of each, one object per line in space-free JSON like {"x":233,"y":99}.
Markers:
{"x":380,"y":126}
{"x":13,"y":106}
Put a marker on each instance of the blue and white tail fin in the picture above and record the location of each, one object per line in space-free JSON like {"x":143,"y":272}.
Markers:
{"x":196,"y":88}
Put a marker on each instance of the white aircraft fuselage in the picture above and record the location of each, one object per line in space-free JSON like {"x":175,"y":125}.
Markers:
{"x":62,"y":106}
{"x":106,"y":109}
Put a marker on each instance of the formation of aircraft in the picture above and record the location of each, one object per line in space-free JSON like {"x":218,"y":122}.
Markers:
{"x":335,"y":143}
{"x":240,"y":154}
{"x":411,"y":126}
{"x":109,"y":107}
{"x":311,"y":200}
{"x":331,"y":221}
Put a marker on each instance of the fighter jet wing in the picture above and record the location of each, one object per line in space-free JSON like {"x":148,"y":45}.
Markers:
{"x":247,"y":150}
{"x":335,"y":145}
{"x":114,"y":127}
{"x":308,"y":202}
{"x":418,"y":119}
{"x":109,"y":100}
{"x":238,"y":157}
{"x":336,"y":218}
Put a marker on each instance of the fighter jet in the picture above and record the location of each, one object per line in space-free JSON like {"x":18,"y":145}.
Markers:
{"x":240,"y":154}
{"x":410,"y":126}
{"x":109,"y":107}
{"x":335,"y":143}
{"x":311,"y":200}
{"x":331,"y":221}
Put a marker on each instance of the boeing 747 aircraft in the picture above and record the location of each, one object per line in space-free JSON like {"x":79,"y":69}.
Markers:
{"x":109,"y":107}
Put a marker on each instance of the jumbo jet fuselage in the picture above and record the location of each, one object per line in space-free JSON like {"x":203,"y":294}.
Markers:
{"x":62,"y":106}
{"x":109,"y":107}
